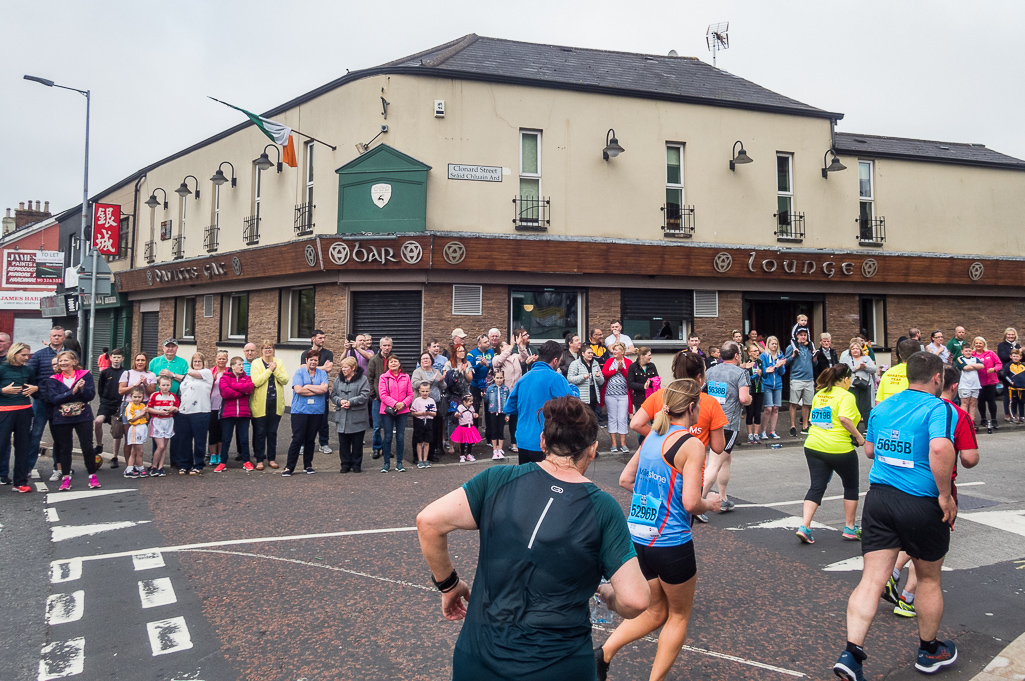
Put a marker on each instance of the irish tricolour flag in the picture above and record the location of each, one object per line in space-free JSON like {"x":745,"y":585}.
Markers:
{"x":277,"y":132}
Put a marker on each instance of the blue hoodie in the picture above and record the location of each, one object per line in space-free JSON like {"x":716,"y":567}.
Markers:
{"x":529,"y":395}
{"x":801,"y":366}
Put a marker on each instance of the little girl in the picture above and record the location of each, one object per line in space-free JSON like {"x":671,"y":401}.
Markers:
{"x":424,"y":409}
{"x":466,"y":434}
{"x":135,"y":435}
{"x":162,"y":405}
{"x":498,"y":395}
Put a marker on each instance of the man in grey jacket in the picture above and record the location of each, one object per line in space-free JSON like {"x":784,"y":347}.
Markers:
{"x":802,"y":380}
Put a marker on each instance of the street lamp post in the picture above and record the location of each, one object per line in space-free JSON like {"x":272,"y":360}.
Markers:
{"x":87,"y":352}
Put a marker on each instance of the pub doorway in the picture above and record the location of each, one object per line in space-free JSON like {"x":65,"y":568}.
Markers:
{"x":774,"y":314}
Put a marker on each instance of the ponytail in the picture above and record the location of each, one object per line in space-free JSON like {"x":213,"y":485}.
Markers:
{"x":677,"y":399}
{"x":834,"y":375}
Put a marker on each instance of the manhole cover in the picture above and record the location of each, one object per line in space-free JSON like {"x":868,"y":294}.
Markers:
{"x":967,"y":503}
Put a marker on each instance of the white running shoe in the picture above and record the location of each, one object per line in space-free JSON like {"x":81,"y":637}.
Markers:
{"x":55,"y":476}
{"x":495,"y":456}
{"x":462,"y":459}
{"x":324,"y":449}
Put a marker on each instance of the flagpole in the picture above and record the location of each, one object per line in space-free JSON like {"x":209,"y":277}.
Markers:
{"x":329,"y":146}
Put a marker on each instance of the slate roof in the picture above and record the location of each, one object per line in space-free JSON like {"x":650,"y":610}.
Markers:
{"x":649,"y":76}
{"x":929,"y":151}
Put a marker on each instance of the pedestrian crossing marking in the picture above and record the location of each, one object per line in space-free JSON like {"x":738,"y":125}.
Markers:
{"x":169,"y":636}
{"x":65,"y":571}
{"x":156,"y":592}
{"x":148,"y":561}
{"x":64,"y":608}
{"x":65,"y":532}
{"x":61,"y":659}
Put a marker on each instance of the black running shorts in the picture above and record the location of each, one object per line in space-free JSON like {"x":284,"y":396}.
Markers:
{"x":731,"y":439}
{"x":670,"y":564}
{"x":892,"y":519}
{"x":108,"y":411}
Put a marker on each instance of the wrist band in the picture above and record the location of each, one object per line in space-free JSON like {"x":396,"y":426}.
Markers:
{"x":448,"y":583}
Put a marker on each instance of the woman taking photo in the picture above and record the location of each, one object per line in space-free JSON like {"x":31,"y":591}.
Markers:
{"x":585,"y":374}
{"x":989,"y":376}
{"x":773,"y":368}
{"x":267,"y":404}
{"x":828,"y":449}
{"x":396,"y":393}
{"x":194,"y":414}
{"x":863,"y":371}
{"x":659,"y":522}
{"x":553,"y":545}
{"x":69,"y":393}
{"x":615,"y":395}
{"x":16,"y":390}
{"x":350,"y":395}
{"x":309,"y":399}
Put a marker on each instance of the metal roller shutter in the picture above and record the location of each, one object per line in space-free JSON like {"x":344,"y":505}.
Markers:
{"x":102,"y":334}
{"x":150,"y":332}
{"x":667,"y":303}
{"x":391,"y":313}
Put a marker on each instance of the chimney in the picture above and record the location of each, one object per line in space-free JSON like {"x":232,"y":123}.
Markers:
{"x":8,"y":224}
{"x":27,"y":216}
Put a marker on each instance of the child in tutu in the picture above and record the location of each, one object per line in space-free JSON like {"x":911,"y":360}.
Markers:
{"x":466,"y":434}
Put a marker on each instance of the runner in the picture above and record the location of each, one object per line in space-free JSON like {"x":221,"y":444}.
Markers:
{"x":665,"y":478}
{"x":834,"y":423}
{"x":895,"y":379}
{"x":909,"y":505}
{"x":730,"y":385}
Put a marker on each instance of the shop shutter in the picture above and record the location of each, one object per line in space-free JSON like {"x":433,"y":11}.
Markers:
{"x":391,"y":313}
{"x":706,"y":303}
{"x":661,"y":303}
{"x":150,"y":331}
{"x":102,"y":334}
{"x":466,"y":299}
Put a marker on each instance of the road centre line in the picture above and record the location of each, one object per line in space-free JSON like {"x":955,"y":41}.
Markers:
{"x":833,"y":498}
{"x":230,"y":542}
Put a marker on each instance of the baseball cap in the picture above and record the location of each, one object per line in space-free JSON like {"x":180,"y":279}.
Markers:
{"x":170,"y":341}
{"x":458,"y":332}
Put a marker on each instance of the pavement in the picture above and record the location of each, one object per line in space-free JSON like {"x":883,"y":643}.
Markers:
{"x":253,"y":576}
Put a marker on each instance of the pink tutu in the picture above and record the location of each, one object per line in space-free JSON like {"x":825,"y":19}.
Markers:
{"x":466,"y":435}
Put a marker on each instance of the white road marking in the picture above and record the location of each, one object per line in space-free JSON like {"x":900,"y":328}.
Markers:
{"x":790,"y":522}
{"x":856,"y":564}
{"x":65,"y":570}
{"x":147,"y":561}
{"x":65,"y":532}
{"x":236,"y":542}
{"x":83,"y":494}
{"x":1008,"y":521}
{"x":156,"y":592}
{"x":51,"y":516}
{"x":64,"y":608}
{"x":62,"y":658}
{"x":41,"y":487}
{"x":798,"y":502}
{"x":168,"y":636}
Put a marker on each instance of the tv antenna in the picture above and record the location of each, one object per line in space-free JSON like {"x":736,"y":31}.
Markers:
{"x":717,"y":38}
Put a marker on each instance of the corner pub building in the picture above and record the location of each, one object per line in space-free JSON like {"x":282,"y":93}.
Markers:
{"x":561,"y":188}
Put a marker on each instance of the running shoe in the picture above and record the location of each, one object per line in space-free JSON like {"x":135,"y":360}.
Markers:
{"x":752,"y":438}
{"x":427,"y":464}
{"x":471,"y":457}
{"x":494,"y":455}
{"x":385,"y":469}
{"x":624,"y":450}
{"x":852,"y":533}
{"x":930,"y":663}
{"x":891,"y":592}
{"x":701,"y":517}
{"x":793,"y":431}
{"x":131,"y":473}
{"x":248,"y":466}
{"x":324,"y":449}
{"x":613,"y":449}
{"x":804,"y":534}
{"x":21,"y":489}
{"x":501,"y":454}
{"x":462,"y":459}
{"x":804,"y":431}
{"x":143,"y":473}
{"x":773,"y":435}
{"x":763,"y":437}
{"x":55,"y":476}
{"x":221,"y":467}
{"x":849,"y":669}
{"x":904,"y":609}
{"x":160,"y":473}
{"x":94,"y":483}
{"x":65,"y":485}
{"x":114,"y":463}
{"x":4,"y":480}
{"x":601,"y":664}
{"x":400,"y":468}
{"x":309,"y":471}
{"x":727,"y":506}
{"x":419,"y":464}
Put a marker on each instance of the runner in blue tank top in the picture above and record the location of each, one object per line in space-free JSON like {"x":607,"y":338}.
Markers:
{"x":665,"y":476}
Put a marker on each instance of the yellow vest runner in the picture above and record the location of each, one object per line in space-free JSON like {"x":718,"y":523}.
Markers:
{"x":892,"y":382}
{"x":827,"y":434}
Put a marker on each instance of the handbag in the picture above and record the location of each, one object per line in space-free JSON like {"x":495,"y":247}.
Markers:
{"x":71,"y":409}
{"x":390,"y":411}
{"x":860,"y":382}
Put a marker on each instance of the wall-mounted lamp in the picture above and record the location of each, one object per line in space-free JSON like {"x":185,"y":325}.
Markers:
{"x":264,"y":162}
{"x":363,"y":148}
{"x":152,"y":201}
{"x":739,"y":157}
{"x":528,"y":307}
{"x":612,"y":147}
{"x":183,"y":189}
{"x":219,"y":178}
{"x":833,"y":166}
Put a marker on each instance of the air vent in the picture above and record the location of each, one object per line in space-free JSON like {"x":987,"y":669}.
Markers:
{"x":566,"y":49}
{"x":208,"y":306}
{"x":706,"y":303}
{"x":466,"y":299}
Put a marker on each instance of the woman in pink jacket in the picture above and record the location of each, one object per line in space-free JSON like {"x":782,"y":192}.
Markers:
{"x":236,"y":387}
{"x":615,"y":395}
{"x":396,"y":394}
{"x":988,"y":378}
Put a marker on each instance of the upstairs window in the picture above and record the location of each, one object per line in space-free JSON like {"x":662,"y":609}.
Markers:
{"x":530,"y":173}
{"x":309,"y":173}
{"x":866,"y":191}
{"x":784,"y":187}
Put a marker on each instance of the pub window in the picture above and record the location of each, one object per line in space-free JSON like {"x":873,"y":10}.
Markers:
{"x":185,"y":318}
{"x":530,"y":174}
{"x":784,"y":186}
{"x":866,"y":192}
{"x":235,"y":316}
{"x":873,"y":319}
{"x":297,"y":314}
{"x":309,"y":173}
{"x":546,"y":313}
{"x":657,"y":314}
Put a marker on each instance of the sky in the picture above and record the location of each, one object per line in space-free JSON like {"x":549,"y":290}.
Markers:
{"x":930,"y":69}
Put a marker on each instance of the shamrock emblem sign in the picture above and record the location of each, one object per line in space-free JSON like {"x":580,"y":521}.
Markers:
{"x":869,"y":268}
{"x":311,"y":255}
{"x":975,"y":271}
{"x":722,"y":262}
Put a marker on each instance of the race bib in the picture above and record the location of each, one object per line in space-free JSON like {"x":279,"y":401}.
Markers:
{"x":717,"y":389}
{"x":894,"y":447}
{"x":311,"y":400}
{"x":822,"y":417}
{"x":644,"y":515}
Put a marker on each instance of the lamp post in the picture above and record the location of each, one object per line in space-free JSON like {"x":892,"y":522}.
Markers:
{"x":86,"y":360}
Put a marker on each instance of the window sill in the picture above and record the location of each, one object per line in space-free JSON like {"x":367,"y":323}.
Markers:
{"x":870,"y":244}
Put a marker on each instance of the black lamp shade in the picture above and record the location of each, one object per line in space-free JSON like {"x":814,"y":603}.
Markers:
{"x":742,"y":157}
{"x":264,"y":162}
{"x":183,"y":190}
{"x":219,"y":178}
{"x":152,"y":201}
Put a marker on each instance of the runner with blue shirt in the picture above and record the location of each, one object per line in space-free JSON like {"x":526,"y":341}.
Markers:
{"x":909,"y":505}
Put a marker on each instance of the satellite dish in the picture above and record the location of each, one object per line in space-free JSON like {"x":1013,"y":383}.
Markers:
{"x":717,"y":38}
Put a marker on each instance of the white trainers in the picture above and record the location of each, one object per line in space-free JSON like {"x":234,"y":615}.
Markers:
{"x":462,"y":459}
{"x":501,"y":453}
{"x":55,"y":476}
{"x":495,"y":456}
{"x":324,"y":449}
{"x":471,"y":457}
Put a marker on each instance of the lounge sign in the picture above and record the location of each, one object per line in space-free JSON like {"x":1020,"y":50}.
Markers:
{"x":723,"y":262}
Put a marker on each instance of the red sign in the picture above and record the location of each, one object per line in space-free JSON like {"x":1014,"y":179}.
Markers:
{"x":106,"y":228}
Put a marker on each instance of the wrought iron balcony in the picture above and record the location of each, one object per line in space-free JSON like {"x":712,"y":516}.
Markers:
{"x":178,"y":247}
{"x":210,"y":236}
{"x":304,"y":219}
{"x":531,"y":213}
{"x":871,"y":231}
{"x":789,"y":226}
{"x":677,"y":220}
{"x":251,"y":230}
{"x":150,"y":252}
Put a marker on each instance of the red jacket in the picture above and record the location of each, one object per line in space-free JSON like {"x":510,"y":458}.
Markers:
{"x":392,"y":389}
{"x":235,"y":390}
{"x":608,"y":372}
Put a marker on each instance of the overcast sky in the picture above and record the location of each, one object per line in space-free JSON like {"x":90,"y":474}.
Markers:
{"x":933,"y":69}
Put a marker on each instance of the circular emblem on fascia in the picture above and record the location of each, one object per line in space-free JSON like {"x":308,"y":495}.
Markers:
{"x":339,"y":253}
{"x":149,"y":277}
{"x":236,"y":265}
{"x":117,"y":281}
{"x":411,"y":252}
{"x":869,"y":268}
{"x":311,"y":255}
{"x":454,"y":252}
{"x":975,"y":271}
{"x":722,"y":262}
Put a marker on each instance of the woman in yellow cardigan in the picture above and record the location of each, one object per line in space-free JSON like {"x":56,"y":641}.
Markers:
{"x":269,"y":380}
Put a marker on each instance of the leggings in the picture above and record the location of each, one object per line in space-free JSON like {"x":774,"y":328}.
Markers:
{"x":753,"y":411}
{"x":62,"y":434}
{"x":821,"y":467}
{"x":988,"y":395}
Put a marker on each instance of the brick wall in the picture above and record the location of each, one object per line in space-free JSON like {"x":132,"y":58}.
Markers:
{"x":843,"y":317}
{"x":208,"y":329}
{"x":263,"y":315}
{"x":986,"y":317}
{"x":716,"y":330}
{"x":439,"y":321}
{"x":166,"y":323}
{"x":604,"y":306}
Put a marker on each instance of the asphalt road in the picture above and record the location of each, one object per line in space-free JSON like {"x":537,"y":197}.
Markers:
{"x":254,"y":576}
